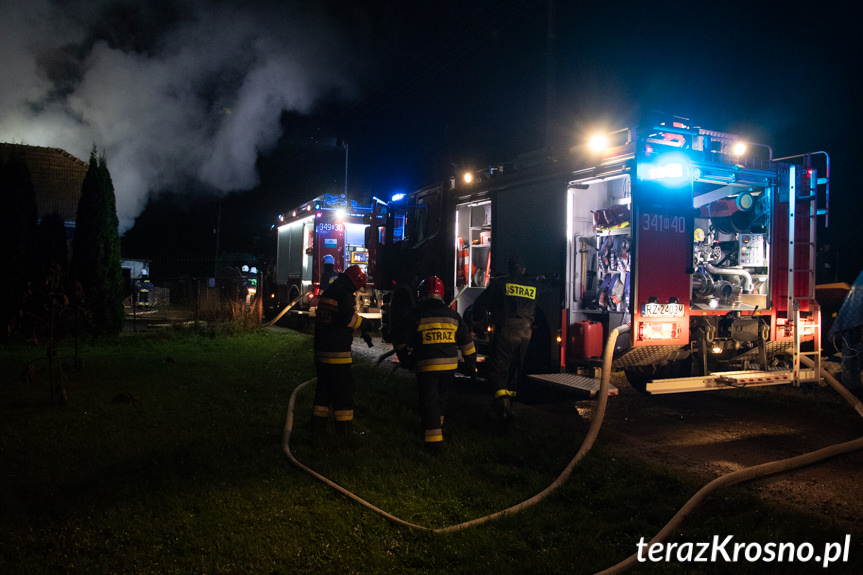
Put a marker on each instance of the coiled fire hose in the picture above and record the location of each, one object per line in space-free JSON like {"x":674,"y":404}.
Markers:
{"x":700,"y":496}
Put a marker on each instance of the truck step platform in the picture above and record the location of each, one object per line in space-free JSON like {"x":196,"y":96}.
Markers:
{"x":726,"y":380}
{"x":575,"y":382}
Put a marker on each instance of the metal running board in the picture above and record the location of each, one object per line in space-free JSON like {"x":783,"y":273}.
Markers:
{"x":725,"y":380}
{"x":579,"y":383}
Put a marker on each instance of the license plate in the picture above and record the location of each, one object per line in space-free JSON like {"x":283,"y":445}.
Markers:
{"x":662,"y":310}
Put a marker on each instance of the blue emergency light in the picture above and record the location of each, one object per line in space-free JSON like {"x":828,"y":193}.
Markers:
{"x":670,"y":169}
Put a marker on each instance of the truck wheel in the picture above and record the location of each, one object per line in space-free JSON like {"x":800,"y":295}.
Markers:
{"x":639,"y":376}
{"x":293,"y":293}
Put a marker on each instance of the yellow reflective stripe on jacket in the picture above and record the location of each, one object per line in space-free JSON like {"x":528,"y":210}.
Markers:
{"x":437,"y":323}
{"x":468,"y":349}
{"x":344,"y":414}
{"x":336,"y":357}
{"x":355,"y":319}
{"x":355,"y":322}
{"x":504,"y":393}
{"x":437,"y":364}
{"x":518,"y":290}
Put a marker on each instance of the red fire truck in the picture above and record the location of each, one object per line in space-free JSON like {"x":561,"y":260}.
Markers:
{"x":704,"y":249}
{"x":329,"y":227}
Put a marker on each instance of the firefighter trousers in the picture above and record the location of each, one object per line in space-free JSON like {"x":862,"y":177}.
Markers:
{"x":433,"y":392}
{"x":335,"y":387}
{"x":508,"y":352}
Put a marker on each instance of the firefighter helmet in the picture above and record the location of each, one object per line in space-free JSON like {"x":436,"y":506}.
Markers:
{"x":431,"y":287}
{"x":357,"y":276}
{"x":328,"y":259}
{"x":515,"y":266}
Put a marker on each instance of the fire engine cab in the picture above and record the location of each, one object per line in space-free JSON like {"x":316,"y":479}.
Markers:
{"x":704,"y":248}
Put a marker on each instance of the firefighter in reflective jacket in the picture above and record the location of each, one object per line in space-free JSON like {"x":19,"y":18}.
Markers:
{"x":428,"y":341}
{"x":144,"y":287}
{"x":329,"y":274}
{"x":336,"y":320}
{"x":511,"y":300}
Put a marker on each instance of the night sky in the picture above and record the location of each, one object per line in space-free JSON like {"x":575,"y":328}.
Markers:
{"x":203,"y":104}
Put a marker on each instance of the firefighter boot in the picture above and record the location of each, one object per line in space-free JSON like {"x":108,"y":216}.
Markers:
{"x":319,"y":428}
{"x":503,"y":410}
{"x":433,"y":440}
{"x":345,"y":431}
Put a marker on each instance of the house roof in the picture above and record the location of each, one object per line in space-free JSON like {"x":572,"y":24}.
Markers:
{"x":57,"y":177}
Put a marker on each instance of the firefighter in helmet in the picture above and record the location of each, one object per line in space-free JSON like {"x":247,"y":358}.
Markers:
{"x":329,"y":274}
{"x":511,"y":301}
{"x":428,"y":341}
{"x":144,"y":287}
{"x":336,"y":320}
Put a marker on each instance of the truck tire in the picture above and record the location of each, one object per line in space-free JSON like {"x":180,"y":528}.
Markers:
{"x":639,"y":376}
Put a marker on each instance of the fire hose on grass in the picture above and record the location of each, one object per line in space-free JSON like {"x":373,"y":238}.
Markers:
{"x":700,"y":496}
{"x":586,"y":445}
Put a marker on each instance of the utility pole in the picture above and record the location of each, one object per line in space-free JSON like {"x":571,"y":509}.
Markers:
{"x":345,"y":144}
{"x":217,"y":232}
{"x":550,"y":99}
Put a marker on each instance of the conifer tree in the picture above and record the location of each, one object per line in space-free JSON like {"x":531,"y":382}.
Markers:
{"x":52,"y":242}
{"x":96,"y":249}
{"x":18,"y":221}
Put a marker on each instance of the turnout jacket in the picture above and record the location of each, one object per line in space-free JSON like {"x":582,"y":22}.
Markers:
{"x":335,"y":321}
{"x":432,"y":335}
{"x":510,"y":299}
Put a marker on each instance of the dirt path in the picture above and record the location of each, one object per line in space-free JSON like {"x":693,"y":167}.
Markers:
{"x":714,"y":433}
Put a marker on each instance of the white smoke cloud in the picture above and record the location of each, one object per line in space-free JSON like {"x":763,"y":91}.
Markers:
{"x":196,"y":96}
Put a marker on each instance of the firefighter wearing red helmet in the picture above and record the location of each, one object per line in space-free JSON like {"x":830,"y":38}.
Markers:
{"x":336,"y":320}
{"x":511,"y":300}
{"x":429,"y":341}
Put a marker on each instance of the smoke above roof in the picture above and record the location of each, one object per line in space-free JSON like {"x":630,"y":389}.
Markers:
{"x":175,"y":93}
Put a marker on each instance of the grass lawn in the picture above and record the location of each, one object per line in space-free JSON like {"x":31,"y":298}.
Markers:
{"x":167,"y":458}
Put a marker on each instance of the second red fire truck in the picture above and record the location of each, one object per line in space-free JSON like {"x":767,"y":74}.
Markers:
{"x":326,"y":230}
